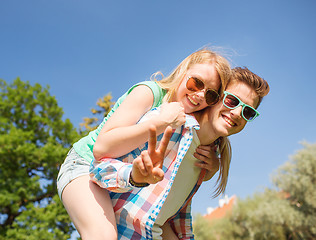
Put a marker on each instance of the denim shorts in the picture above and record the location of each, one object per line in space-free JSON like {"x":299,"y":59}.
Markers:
{"x":74,"y":166}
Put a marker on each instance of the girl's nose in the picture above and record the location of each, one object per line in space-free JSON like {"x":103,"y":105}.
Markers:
{"x":200,"y":94}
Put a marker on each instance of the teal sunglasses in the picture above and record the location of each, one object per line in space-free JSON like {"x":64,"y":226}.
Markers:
{"x":231,"y":101}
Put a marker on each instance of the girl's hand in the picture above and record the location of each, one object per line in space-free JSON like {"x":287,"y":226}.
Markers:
{"x":172,"y":114}
{"x":208,"y":159}
{"x":147,"y":168}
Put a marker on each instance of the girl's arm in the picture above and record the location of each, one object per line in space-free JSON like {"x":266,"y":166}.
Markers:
{"x":120,"y":134}
{"x":115,"y":175}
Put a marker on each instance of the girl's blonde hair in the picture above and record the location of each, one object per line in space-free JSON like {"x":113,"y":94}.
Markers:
{"x":205,"y":55}
{"x":225,"y":158}
{"x":173,"y":80}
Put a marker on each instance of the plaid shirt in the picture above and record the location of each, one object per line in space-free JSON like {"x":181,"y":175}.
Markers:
{"x":136,"y":209}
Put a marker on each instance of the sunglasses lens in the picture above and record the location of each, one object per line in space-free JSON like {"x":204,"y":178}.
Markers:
{"x":249,"y":113}
{"x":211,"y":97}
{"x":231,"y":101}
{"x":194,"y":84}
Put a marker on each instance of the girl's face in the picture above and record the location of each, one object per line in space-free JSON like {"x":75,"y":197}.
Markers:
{"x":225,"y":121}
{"x":195,"y":101}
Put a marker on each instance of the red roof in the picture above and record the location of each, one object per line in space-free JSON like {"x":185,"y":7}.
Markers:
{"x":221,"y":211}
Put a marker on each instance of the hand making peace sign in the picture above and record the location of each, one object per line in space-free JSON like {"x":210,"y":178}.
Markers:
{"x":147,"y":168}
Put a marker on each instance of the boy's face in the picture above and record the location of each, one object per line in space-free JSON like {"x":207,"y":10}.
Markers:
{"x":225,"y":121}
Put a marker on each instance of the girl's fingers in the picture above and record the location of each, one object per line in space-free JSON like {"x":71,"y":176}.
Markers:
{"x":138,"y":163}
{"x":148,"y":165}
{"x":165,"y":140}
{"x":152,"y":142}
{"x":157,"y":174}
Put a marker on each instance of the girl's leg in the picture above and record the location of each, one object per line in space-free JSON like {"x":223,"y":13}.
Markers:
{"x":168,"y":233}
{"x":90,"y":208}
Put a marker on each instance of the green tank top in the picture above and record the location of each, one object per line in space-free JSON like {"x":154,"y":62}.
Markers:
{"x":84,"y":147}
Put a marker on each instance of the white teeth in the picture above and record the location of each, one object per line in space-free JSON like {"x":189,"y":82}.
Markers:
{"x":229,"y":121}
{"x":192,"y":101}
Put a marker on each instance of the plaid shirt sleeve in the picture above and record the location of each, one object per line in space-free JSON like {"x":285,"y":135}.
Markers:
{"x":111,"y":174}
{"x":181,"y":224}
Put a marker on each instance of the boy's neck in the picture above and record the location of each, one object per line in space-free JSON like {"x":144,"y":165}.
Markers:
{"x":206,"y":134}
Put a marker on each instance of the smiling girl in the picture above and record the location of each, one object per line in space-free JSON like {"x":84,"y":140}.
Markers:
{"x":86,"y":203}
{"x":151,"y":191}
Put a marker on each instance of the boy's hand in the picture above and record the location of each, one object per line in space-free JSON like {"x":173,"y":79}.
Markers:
{"x":208,"y":159}
{"x":147,"y":168}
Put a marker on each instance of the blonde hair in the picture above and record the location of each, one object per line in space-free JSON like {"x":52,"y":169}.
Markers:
{"x":205,"y":55}
{"x":226,"y":155}
{"x":261,"y":87}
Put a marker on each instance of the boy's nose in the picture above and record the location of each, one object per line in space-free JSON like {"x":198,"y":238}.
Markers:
{"x":237,"y":111}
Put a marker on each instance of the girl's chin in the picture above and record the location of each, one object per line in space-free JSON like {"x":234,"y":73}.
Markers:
{"x":191,"y":109}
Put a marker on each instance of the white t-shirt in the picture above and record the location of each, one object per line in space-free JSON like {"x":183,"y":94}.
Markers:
{"x":185,"y":180}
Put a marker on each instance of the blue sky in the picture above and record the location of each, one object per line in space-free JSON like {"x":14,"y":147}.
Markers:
{"x":86,"y":49}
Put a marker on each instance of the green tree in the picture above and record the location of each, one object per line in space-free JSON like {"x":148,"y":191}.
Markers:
{"x":297,"y":178}
{"x":104,"y":105}
{"x":33,"y":143}
{"x":265,"y":215}
{"x":204,"y":230}
{"x":285,"y":213}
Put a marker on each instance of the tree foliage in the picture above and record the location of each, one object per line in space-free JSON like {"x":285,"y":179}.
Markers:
{"x":33,"y":143}
{"x":287,"y":212}
{"x":104,"y":105}
{"x":298,"y":179}
{"x":265,"y":215}
{"x":217,"y":229}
